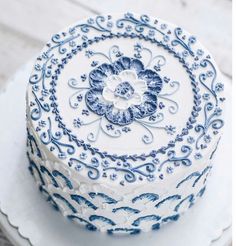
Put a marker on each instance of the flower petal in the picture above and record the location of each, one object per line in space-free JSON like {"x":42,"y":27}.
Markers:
{"x":108,"y":95}
{"x":122,"y":64}
{"x":154,"y":82}
{"x":135,"y":100}
{"x":137,"y":65}
{"x":120,"y":117}
{"x":140,"y":86}
{"x":148,"y":106}
{"x":121,"y":103}
{"x":129,"y":76}
{"x":126,"y":63}
{"x":113,"y":81}
{"x":98,"y":75}
{"x":95,"y":101}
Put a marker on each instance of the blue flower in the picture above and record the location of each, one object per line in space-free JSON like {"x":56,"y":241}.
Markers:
{"x":219,"y":87}
{"x":170,"y":129}
{"x":77,"y":123}
{"x":123,"y":91}
{"x":206,"y":96}
{"x":198,"y":156}
{"x":207,"y":138}
{"x":190,"y":140}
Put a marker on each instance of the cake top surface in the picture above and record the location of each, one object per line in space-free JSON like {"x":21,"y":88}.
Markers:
{"x":125,"y":98}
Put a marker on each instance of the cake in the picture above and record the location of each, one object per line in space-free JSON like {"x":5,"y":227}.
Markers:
{"x":124,"y":115}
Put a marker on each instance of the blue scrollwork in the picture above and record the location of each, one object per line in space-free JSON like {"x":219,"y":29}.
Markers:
{"x":184,"y":160}
{"x":209,"y":76}
{"x":173,"y":109}
{"x":181,"y":40}
{"x":96,"y":24}
{"x":146,"y":170}
{"x":139,"y":24}
{"x":48,"y":137}
{"x":211,"y":120}
{"x":42,"y":73}
{"x":93,"y":172}
{"x":36,"y":113}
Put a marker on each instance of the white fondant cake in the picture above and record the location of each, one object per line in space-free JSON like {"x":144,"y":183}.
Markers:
{"x":124,"y":114}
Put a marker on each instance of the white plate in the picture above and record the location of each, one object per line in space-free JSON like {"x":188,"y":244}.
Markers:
{"x":32,"y":216}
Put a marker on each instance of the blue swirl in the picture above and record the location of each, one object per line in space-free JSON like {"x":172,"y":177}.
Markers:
{"x":36,"y":113}
{"x":179,"y":40}
{"x":139,"y":24}
{"x":49,"y":137}
{"x":93,"y":172}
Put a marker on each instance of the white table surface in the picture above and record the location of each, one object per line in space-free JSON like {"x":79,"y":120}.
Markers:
{"x":25,"y":25}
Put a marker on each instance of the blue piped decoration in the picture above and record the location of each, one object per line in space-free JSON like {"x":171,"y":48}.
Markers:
{"x":103,"y":219}
{"x":201,"y":192}
{"x":31,"y":141}
{"x":126,"y":209}
{"x":107,"y":199}
{"x":139,"y":24}
{"x":89,"y":226}
{"x":174,"y":197}
{"x":152,"y":197}
{"x":43,"y":169}
{"x":33,"y":167}
{"x":61,"y":198}
{"x":171,"y":218}
{"x":194,"y":174}
{"x":68,"y":183}
{"x":205,"y":171}
{"x":80,"y":199}
{"x":146,"y":218}
{"x":189,"y":198}
{"x":48,"y":137}
{"x":49,"y":198}
{"x":179,"y":40}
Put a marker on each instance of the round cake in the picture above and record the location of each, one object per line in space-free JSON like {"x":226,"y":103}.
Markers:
{"x":124,"y":115}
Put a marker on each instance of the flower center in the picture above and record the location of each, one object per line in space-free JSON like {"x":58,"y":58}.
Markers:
{"x":124,"y":90}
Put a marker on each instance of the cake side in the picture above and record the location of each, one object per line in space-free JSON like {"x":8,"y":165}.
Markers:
{"x":124,"y":114}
